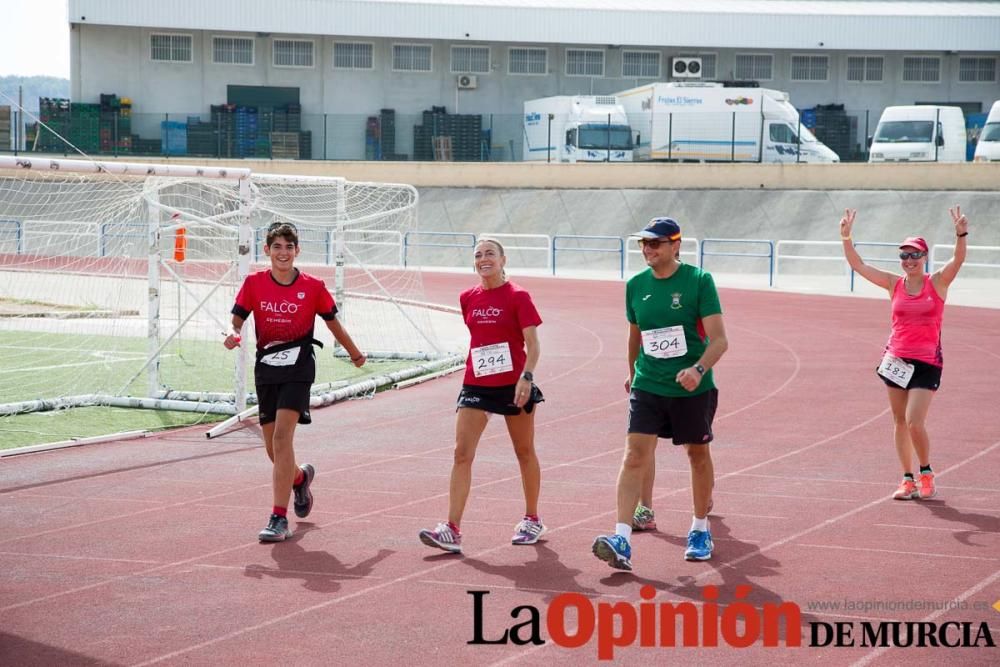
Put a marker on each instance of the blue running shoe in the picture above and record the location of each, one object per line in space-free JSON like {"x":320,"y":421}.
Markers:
{"x":699,"y":545}
{"x":614,"y":550}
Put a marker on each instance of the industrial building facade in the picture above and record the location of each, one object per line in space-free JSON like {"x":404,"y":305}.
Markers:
{"x":341,"y":63}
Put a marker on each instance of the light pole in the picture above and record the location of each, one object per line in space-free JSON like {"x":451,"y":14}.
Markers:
{"x":548,"y":144}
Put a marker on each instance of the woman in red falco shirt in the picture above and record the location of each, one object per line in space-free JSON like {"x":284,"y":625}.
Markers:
{"x":503,"y":353}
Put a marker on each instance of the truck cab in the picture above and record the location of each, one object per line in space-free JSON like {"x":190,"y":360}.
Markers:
{"x":598,"y":142}
{"x":576,"y":128}
{"x":988,"y":146}
{"x":788,"y":142}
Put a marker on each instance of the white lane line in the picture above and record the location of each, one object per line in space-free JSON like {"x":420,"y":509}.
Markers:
{"x":894,"y":551}
{"x":961,"y":598}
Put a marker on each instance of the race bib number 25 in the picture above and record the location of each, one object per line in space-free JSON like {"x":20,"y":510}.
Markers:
{"x":665,"y":343}
{"x":491,"y":360}
{"x":282,"y":358}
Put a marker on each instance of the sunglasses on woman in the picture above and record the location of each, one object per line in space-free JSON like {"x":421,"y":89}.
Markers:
{"x":912,"y":255}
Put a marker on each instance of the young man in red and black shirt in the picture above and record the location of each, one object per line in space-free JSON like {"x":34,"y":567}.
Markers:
{"x":285,"y":302}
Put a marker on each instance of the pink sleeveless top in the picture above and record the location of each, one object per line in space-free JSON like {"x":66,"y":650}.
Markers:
{"x":916,"y":323}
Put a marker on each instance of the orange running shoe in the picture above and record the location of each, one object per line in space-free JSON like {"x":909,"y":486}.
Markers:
{"x":907,"y":490}
{"x":926,"y":483}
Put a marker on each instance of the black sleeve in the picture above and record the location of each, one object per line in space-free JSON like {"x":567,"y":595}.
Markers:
{"x":240,"y":312}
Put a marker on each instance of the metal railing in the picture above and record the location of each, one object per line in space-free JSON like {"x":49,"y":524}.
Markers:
{"x":103,"y":239}
{"x":618,"y":241}
{"x":486,"y":137}
{"x":514,"y":244}
{"x":781,"y":246}
{"x":769,"y":254}
{"x":468,"y":237}
{"x":18,"y":238}
{"x":934,"y":262}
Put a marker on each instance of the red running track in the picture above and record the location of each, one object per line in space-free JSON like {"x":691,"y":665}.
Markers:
{"x":144,"y":552}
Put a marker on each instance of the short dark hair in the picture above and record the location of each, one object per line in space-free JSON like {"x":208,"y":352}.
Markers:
{"x":285,"y":230}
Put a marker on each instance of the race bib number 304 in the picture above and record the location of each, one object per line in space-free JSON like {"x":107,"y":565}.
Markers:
{"x":895,"y":370}
{"x":491,"y":360}
{"x":665,"y":343}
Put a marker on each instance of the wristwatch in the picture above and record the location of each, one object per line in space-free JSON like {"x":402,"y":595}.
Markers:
{"x":527,"y":375}
{"x":699,"y":368}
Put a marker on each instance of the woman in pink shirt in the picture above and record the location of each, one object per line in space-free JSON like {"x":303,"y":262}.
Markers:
{"x":911,"y":364}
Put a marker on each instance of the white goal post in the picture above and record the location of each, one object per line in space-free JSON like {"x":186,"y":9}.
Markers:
{"x":118,"y":279}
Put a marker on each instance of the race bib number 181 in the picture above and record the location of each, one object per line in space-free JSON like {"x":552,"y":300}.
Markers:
{"x":895,"y":370}
{"x":491,"y":360}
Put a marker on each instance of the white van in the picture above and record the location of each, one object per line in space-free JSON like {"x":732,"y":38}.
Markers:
{"x":921,"y":133}
{"x":988,"y":147}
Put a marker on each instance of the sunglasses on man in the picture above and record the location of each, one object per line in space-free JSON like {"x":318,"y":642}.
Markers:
{"x":653,"y":243}
{"x":912,"y":255}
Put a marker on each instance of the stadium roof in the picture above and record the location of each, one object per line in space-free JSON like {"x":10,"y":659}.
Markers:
{"x":858,"y":25}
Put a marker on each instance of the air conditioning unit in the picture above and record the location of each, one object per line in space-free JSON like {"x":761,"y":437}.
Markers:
{"x":685,"y":68}
{"x":467,"y":81}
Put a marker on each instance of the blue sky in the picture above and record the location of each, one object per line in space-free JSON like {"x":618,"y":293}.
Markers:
{"x":34,"y":38}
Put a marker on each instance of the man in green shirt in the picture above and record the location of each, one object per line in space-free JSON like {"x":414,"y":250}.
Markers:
{"x":675,"y":337}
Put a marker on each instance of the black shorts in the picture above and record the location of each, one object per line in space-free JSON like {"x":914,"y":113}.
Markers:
{"x":687,"y":420}
{"x":925,"y":376}
{"x":289,"y":395}
{"x":498,"y":400}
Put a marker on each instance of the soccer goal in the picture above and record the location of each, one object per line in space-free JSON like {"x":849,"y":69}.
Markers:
{"x":118,"y":278}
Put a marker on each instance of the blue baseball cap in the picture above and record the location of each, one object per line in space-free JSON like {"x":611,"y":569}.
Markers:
{"x":659,"y":228}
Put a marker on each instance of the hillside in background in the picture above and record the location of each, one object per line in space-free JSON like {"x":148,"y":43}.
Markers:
{"x":33,"y":87}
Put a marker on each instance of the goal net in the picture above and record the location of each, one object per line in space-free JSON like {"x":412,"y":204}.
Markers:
{"x":118,"y":280}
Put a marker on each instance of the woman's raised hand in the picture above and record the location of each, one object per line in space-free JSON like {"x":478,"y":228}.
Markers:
{"x":847,"y":222}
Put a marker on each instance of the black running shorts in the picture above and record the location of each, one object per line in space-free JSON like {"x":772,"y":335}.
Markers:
{"x":687,"y":420}
{"x":498,"y":400}
{"x":925,"y":376}
{"x":289,"y":395}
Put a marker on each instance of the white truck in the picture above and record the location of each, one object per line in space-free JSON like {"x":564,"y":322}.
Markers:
{"x":708,"y":122}
{"x":988,"y":146}
{"x":576,"y":128}
{"x":919,"y":133}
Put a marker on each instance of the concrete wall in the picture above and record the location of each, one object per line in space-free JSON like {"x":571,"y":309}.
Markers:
{"x":848,"y":176}
{"x":741,"y":214}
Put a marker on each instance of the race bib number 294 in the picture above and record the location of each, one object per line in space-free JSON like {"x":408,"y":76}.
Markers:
{"x":491,"y":360}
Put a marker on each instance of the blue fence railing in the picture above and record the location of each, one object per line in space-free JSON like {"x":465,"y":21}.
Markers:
{"x":707,"y":243}
{"x":321,"y":244}
{"x":109,"y":231}
{"x":13,"y":228}
{"x":468,"y":241}
{"x":618,"y":248}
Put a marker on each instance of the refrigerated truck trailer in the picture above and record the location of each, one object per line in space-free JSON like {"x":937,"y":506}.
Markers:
{"x":708,"y":122}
